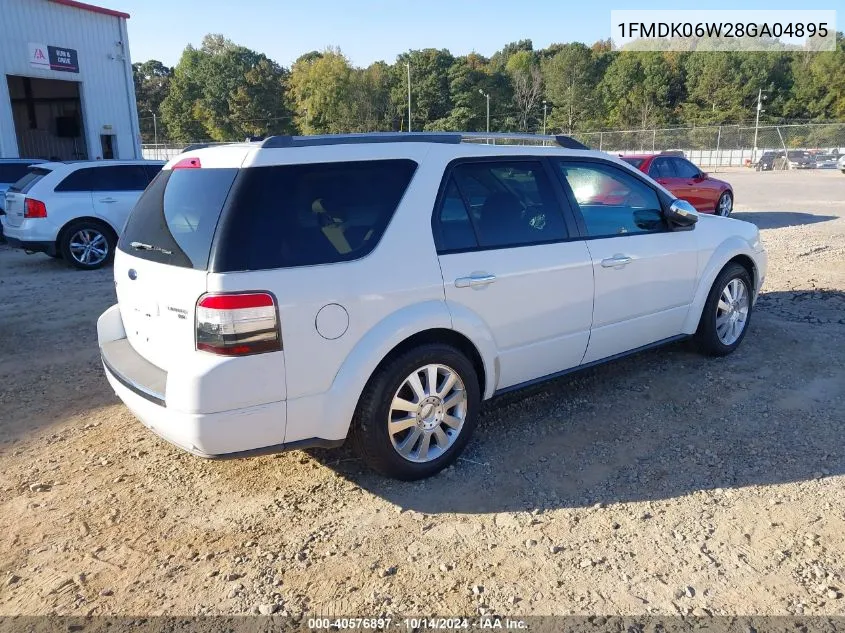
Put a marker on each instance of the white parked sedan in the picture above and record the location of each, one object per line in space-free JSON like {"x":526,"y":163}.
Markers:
{"x":304,"y":290}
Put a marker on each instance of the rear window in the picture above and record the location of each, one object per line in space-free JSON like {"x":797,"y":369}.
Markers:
{"x":28,"y":181}
{"x":12,"y":172}
{"x":636,"y":162}
{"x":299,"y":215}
{"x":174,"y":220}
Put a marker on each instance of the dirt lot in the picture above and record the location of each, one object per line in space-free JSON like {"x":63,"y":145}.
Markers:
{"x":665,"y":483}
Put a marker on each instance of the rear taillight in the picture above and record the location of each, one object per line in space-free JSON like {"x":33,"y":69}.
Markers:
{"x":35,"y":209}
{"x":238,"y":324}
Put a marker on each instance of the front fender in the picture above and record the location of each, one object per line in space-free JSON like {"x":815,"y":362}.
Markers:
{"x":719,"y":257}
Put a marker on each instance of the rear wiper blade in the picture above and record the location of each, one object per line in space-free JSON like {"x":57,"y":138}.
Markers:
{"x":140,"y":246}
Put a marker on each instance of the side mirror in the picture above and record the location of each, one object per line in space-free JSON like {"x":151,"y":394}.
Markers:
{"x":702,"y":175}
{"x":681,"y":214}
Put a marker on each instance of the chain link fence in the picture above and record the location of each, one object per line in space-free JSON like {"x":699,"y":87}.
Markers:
{"x":722,"y":145}
{"x":709,"y":146}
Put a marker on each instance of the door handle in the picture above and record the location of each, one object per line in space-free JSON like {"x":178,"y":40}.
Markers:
{"x":108,"y":200}
{"x":616,"y":261}
{"x":474,"y":281}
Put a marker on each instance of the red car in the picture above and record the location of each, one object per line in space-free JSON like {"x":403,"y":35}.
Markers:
{"x":686,"y":181}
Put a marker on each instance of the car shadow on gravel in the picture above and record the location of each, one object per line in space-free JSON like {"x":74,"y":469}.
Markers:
{"x":780,"y":219}
{"x":658,"y":425}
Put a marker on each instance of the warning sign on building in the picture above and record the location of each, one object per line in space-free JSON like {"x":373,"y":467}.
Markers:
{"x":53,"y":58}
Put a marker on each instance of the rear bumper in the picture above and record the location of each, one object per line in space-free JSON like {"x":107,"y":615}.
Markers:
{"x":32,"y":247}
{"x":237,"y":433}
{"x":143,"y":387}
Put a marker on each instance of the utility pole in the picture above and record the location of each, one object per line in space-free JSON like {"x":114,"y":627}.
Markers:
{"x":408,"y":64}
{"x":487,"y":96}
{"x":544,"y":117}
{"x":760,"y":98}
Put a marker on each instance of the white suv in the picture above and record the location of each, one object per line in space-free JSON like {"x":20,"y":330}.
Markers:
{"x":303,"y":290}
{"x":75,"y":210}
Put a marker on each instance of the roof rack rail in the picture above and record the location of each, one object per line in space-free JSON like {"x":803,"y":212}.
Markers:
{"x":501,"y":138}
{"x":540,"y":139}
{"x":352,"y":139}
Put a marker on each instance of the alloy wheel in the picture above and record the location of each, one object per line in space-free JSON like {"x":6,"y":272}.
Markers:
{"x":89,"y":247}
{"x":732,"y":311}
{"x":725,"y":205}
{"x":427,"y":413}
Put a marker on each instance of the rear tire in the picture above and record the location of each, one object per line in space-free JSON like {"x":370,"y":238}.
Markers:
{"x":719,"y":331}
{"x":87,"y":244}
{"x":398,"y":451}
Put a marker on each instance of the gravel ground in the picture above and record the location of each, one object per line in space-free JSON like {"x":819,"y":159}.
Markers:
{"x":664,"y":483}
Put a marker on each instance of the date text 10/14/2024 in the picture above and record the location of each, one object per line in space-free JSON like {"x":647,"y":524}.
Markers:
{"x":417,"y":624}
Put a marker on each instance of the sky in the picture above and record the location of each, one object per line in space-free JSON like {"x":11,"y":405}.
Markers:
{"x":372,"y":30}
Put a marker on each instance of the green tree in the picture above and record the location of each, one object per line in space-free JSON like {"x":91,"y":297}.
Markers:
{"x":430,"y":95}
{"x":818,"y":90}
{"x":322,"y":92}
{"x":571,"y":82}
{"x":152,"y":80}
{"x":225,"y":92}
{"x":181,"y":119}
{"x":527,"y":81}
{"x":636,"y":90}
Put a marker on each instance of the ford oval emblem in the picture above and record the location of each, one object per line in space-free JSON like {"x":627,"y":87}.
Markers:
{"x":133,"y":274}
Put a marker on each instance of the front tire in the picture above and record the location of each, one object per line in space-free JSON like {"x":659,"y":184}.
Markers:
{"x":417,"y":412}
{"x":725,"y":205}
{"x":87,"y":244}
{"x":727,"y":312}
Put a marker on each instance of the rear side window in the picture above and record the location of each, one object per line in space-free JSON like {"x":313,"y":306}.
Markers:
{"x":80,"y":180}
{"x":12,"y":172}
{"x":119,"y":178}
{"x":28,"y":181}
{"x":174,"y":220}
{"x":115,"y":178}
{"x":299,"y":215}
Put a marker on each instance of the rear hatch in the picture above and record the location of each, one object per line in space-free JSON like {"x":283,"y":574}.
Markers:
{"x":161,"y":264}
{"x":15,"y":197}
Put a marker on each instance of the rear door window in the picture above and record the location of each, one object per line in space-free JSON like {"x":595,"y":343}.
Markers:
{"x":506,"y":204}
{"x":174,"y":220}
{"x":28,"y":181}
{"x":119,"y":178}
{"x":662,"y":168}
{"x":299,"y":215}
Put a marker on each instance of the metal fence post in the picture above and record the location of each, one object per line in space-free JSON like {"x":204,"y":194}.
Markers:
{"x":601,"y":138}
{"x":718,"y":142}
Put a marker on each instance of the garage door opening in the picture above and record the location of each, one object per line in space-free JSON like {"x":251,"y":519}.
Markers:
{"x":48,"y":118}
